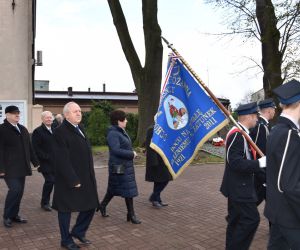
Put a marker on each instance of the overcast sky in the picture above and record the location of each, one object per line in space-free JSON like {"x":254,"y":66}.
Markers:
{"x":81,"y":47}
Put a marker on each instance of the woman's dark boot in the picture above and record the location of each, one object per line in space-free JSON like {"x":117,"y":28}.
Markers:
{"x":130,"y":214}
{"x":104,"y":203}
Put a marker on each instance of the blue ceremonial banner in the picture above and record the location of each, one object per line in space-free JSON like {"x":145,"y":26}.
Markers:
{"x":186,"y":118}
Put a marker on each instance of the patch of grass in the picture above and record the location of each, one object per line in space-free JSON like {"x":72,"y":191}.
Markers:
{"x":204,"y":157}
{"x":98,"y":149}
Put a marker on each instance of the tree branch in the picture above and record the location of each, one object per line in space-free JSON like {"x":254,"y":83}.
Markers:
{"x":124,"y":36}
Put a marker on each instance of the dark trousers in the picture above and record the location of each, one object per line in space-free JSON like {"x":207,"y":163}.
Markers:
{"x":282,"y":238}
{"x":158,"y":187}
{"x":47,"y":188}
{"x":14,"y":196}
{"x":128,"y":201}
{"x":261,"y":193}
{"x":243,"y":220}
{"x":79,"y":229}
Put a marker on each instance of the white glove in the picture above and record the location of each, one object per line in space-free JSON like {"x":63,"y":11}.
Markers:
{"x":262,"y":162}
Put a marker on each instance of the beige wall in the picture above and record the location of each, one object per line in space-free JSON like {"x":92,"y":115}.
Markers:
{"x":16,"y":40}
{"x":36,"y":115}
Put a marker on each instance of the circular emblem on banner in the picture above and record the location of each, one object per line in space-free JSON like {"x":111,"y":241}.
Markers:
{"x":176,"y":112}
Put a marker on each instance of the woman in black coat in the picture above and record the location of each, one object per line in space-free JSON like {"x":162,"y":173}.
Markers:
{"x":156,"y":171}
{"x":120,"y":154}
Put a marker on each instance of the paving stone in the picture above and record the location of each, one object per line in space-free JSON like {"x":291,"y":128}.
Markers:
{"x":194,"y":219}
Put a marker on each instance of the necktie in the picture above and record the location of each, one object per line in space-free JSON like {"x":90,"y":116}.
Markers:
{"x":79,"y":131}
{"x":17,"y":128}
{"x":50,"y":130}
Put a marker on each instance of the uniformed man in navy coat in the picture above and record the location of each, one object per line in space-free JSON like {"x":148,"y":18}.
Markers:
{"x":16,"y":153}
{"x":259,"y":135}
{"x":283,"y":171}
{"x":238,"y":182}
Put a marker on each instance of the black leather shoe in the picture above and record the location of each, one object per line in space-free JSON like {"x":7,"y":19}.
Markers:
{"x":156,"y":204}
{"x":46,"y":207}
{"x":7,"y":222}
{"x":102,"y":210}
{"x":163,"y":204}
{"x":82,"y":239}
{"x":71,"y":246}
{"x":18,"y":219}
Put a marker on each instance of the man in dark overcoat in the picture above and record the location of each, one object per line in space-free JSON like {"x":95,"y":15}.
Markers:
{"x":156,"y":171}
{"x":259,"y":135}
{"x":43,"y":144}
{"x":16,"y":153}
{"x":57,"y":121}
{"x":238,"y":182}
{"x":283,"y":171}
{"x":75,"y":188}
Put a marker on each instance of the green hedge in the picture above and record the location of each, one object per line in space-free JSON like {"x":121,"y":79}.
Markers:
{"x":97,"y":126}
{"x":132,"y":125}
{"x":97,"y":121}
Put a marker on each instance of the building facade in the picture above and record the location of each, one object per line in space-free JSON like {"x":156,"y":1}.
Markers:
{"x":54,"y":101}
{"x":17,"y":32}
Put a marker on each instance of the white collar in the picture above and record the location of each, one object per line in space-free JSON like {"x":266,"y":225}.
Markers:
{"x":75,"y":126}
{"x":264,"y":119}
{"x":291,"y":119}
{"x":246,"y":130}
{"x":15,"y":125}
{"x":49,"y":128}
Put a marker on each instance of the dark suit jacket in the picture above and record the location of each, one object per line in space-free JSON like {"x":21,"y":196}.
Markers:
{"x":260,"y":133}
{"x":43,"y":144}
{"x":238,"y":179}
{"x":156,"y":170}
{"x":283,"y":208}
{"x":16,"y":151}
{"x":73,"y":165}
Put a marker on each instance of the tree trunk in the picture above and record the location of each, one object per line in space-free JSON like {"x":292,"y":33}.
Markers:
{"x":147,"y":79}
{"x":270,"y":37}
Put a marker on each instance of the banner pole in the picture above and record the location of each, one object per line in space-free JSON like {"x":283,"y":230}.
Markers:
{"x":215,"y":99}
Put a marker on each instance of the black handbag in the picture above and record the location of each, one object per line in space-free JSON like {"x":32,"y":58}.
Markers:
{"x":118,"y":169}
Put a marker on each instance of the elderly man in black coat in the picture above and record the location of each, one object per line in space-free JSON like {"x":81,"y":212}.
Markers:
{"x":43,"y":144}
{"x":156,"y":171}
{"x":75,"y":188}
{"x":16,"y":153}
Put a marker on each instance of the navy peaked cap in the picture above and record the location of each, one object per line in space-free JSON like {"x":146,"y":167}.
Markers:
{"x":246,"y":109}
{"x":267,"y":103}
{"x":289,"y":92}
{"x":11,"y":109}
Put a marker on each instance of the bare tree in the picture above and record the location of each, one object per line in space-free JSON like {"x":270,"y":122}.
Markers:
{"x":275,"y":23}
{"x":147,"y":78}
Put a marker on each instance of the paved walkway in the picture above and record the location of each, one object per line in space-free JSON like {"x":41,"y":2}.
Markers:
{"x":194,"y":218}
